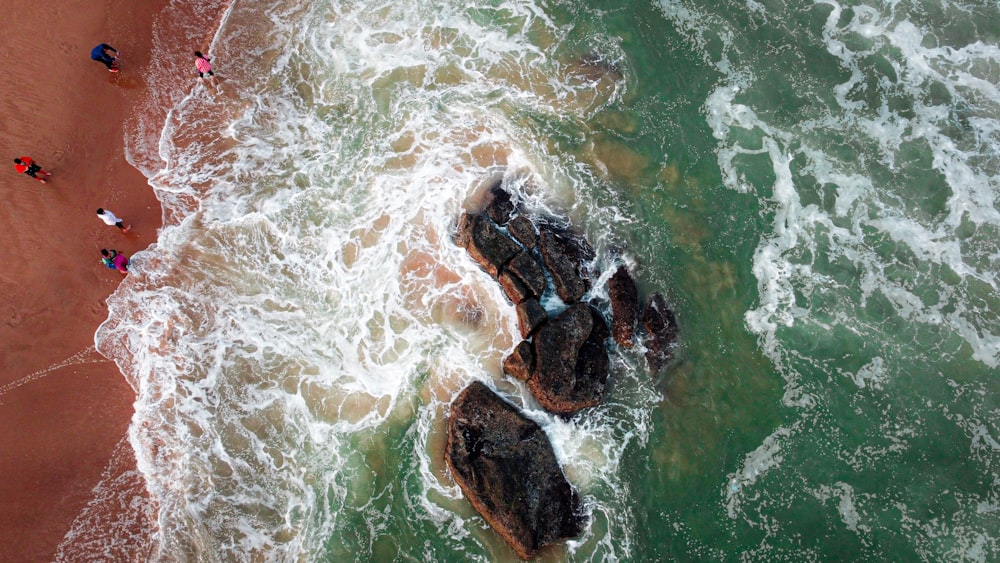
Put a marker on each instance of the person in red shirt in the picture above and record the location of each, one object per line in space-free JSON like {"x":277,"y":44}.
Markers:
{"x":25,"y":165}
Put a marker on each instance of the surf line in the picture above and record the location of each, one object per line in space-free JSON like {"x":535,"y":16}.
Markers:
{"x":85,"y":356}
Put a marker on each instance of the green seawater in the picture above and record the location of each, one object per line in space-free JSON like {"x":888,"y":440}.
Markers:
{"x":885,"y":471}
{"x":814,"y":187}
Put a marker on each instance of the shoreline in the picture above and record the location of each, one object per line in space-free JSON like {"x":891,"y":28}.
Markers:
{"x":65,"y":408}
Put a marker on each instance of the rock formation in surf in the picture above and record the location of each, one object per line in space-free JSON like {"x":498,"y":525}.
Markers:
{"x":569,"y":369}
{"x":502,"y":461}
{"x":624,"y":297}
{"x":534,"y":258}
{"x":505,"y":466}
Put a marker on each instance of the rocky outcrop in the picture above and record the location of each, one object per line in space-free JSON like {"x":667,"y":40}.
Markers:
{"x":624,"y":298}
{"x":490,"y":247}
{"x":571,"y":361}
{"x":522,"y":278}
{"x":502,"y":461}
{"x":498,"y":205}
{"x":525,"y":267}
{"x":505,"y":466}
{"x":661,"y":332}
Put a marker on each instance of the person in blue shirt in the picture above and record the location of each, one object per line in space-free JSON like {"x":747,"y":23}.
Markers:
{"x":101,"y":54}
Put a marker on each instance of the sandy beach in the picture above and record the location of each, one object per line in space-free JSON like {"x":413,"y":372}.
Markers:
{"x":63,"y":407}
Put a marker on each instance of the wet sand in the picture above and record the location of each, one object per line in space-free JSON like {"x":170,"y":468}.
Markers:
{"x":64,"y":408}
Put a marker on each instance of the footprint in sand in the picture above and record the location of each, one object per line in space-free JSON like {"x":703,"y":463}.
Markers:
{"x":14,"y":318}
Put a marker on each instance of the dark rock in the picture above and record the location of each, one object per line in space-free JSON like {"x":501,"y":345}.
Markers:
{"x":571,"y":362}
{"x":520,"y":362}
{"x":486,"y":243}
{"x":624,"y":306}
{"x":513,"y":287}
{"x":530,"y":316}
{"x":661,"y":332}
{"x":529,"y":271}
{"x":505,"y":466}
{"x":592,"y":362}
{"x":523,"y":231}
{"x":498,"y":204}
{"x":564,"y":256}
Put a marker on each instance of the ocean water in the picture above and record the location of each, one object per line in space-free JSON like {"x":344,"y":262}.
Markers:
{"x":813,"y":185}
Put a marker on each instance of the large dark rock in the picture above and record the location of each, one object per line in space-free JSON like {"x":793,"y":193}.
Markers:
{"x":505,"y":466}
{"x":523,"y":231}
{"x":486,"y":243}
{"x":661,"y":332}
{"x":624,"y":306}
{"x":564,"y":256}
{"x":571,"y":361}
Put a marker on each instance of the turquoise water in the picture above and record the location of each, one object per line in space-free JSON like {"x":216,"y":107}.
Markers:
{"x":813,"y":185}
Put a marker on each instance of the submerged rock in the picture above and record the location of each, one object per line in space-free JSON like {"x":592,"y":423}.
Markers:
{"x":505,"y":466}
{"x":661,"y":332}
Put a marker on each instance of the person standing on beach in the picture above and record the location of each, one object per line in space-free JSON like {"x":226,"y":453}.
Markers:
{"x":204,"y":66}
{"x":101,"y":55}
{"x":115,"y":260}
{"x":109,"y":218}
{"x":107,"y":258}
{"x":25,"y":165}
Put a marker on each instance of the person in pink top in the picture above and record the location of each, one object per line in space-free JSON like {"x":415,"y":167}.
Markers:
{"x":121,"y":263}
{"x":204,"y":66}
{"x":115,"y":260}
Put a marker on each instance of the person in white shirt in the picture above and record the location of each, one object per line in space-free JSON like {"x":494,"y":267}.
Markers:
{"x":109,"y":218}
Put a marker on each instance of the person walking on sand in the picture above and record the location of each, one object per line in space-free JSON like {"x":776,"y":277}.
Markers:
{"x":115,"y":260}
{"x":109,"y":218}
{"x":101,"y":55}
{"x":25,"y":165}
{"x":204,"y":66}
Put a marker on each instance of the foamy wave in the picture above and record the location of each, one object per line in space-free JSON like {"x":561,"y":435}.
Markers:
{"x":879,"y":265}
{"x":304,"y":319}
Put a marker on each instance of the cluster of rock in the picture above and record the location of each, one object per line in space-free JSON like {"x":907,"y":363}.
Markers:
{"x":500,"y":459}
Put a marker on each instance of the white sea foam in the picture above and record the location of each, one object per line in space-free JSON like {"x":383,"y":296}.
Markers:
{"x":868,"y":262}
{"x":974,"y":187}
{"x":306,"y":301}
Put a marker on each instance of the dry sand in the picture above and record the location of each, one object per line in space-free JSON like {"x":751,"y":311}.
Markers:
{"x":63,"y":407}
